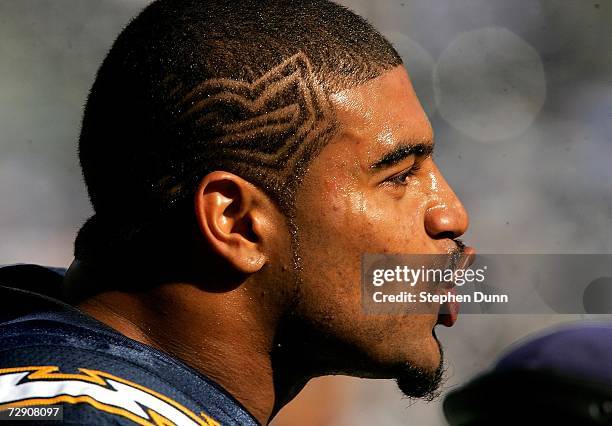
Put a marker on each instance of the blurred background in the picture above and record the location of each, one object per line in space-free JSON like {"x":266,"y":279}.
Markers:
{"x":520,"y":97}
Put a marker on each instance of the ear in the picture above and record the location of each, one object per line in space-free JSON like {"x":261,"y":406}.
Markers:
{"x":232,"y":217}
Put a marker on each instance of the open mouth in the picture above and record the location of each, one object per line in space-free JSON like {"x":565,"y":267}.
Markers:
{"x":449,"y":311}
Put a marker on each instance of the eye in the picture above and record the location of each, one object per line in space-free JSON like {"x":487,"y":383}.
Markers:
{"x":401,"y":179}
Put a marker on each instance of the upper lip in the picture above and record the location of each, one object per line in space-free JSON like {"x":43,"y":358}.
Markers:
{"x":469,"y":253}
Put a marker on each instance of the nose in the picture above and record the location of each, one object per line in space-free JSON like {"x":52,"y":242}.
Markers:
{"x":445,"y":216}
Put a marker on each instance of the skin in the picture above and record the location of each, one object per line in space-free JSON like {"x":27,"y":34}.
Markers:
{"x":357,"y":210}
{"x":246,"y":308}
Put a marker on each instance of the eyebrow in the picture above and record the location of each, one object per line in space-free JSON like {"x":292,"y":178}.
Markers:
{"x":401,"y":152}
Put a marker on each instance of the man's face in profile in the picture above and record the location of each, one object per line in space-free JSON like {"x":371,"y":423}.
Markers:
{"x":374,"y":189}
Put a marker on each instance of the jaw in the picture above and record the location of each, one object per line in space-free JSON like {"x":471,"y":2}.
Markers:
{"x":302,"y":350}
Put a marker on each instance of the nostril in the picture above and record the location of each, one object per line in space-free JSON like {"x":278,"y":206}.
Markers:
{"x":446,"y":234}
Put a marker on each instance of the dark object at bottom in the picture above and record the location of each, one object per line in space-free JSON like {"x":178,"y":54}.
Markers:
{"x":561,"y":378}
{"x":529,"y":398}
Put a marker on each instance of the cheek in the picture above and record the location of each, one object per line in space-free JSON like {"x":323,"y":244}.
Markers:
{"x":377,"y":222}
{"x":347,"y":222}
{"x":332,"y":236}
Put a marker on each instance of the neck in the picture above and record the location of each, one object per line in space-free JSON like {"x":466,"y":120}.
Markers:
{"x":220,"y":334}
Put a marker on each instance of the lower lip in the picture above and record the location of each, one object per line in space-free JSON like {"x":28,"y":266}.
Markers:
{"x":451,"y":311}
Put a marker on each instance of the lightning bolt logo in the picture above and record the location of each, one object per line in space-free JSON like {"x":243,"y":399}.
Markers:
{"x":45,"y":385}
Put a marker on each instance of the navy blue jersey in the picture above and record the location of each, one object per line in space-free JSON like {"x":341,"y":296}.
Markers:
{"x":54,"y":354}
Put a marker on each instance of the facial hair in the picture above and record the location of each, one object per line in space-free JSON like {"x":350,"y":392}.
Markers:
{"x":417,"y":382}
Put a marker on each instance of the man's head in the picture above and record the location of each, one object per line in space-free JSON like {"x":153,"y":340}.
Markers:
{"x":190,"y":87}
{"x":268,"y":145}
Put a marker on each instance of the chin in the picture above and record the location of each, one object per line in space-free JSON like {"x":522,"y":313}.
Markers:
{"x":419,"y":383}
{"x":422,"y":377}
{"x":430,"y":355}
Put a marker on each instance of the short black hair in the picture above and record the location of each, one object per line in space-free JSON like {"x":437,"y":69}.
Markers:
{"x":193,"y":86}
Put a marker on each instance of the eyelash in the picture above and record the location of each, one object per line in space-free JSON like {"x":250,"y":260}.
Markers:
{"x":401,"y":178}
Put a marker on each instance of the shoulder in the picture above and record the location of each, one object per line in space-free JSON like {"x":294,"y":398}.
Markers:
{"x":95,"y":379}
{"x":52,"y":354}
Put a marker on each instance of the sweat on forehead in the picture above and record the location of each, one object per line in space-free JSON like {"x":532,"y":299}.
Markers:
{"x":383,"y":121}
